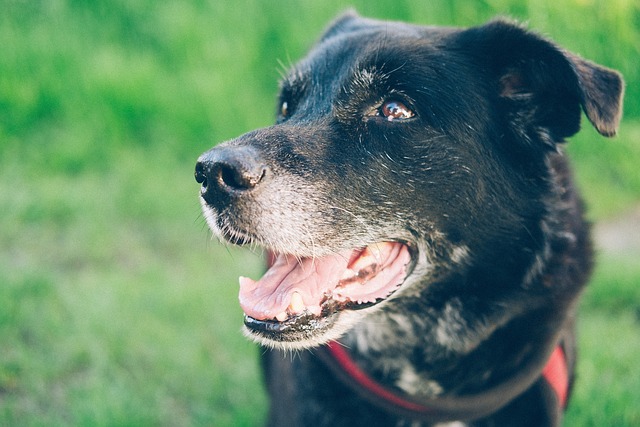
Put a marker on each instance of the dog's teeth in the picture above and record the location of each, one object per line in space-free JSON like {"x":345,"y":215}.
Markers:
{"x":372,"y":255}
{"x":282,"y":316}
{"x":377,"y":249}
{"x":365,"y":260}
{"x":296,"y":305}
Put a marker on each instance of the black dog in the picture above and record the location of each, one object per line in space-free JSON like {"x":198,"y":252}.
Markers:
{"x":425,"y":238}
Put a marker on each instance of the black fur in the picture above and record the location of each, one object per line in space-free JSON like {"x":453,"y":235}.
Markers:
{"x":475,"y":184}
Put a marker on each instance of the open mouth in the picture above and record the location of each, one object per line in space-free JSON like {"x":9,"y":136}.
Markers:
{"x":301,"y":295}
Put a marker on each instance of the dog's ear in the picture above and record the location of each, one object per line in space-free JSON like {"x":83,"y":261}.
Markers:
{"x":544,"y":86}
{"x":347,"y":22}
{"x":602,"y":92}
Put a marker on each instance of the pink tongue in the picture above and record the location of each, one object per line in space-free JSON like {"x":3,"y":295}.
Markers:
{"x":315,"y":278}
{"x":311,"y":277}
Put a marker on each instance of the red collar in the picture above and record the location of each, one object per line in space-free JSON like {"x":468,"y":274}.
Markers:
{"x":555,"y":373}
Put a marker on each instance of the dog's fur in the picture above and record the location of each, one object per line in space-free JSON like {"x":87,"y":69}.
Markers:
{"x":473,"y":181}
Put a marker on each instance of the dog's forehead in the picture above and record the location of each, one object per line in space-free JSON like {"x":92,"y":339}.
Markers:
{"x":371,"y":44}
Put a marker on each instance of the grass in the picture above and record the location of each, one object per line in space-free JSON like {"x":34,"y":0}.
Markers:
{"x":114,"y":319}
{"x":116,"y":308}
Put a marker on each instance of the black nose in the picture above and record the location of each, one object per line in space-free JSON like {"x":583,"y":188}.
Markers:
{"x":226,"y":170}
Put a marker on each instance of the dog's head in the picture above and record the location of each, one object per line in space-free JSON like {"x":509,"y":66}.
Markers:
{"x":401,"y":154}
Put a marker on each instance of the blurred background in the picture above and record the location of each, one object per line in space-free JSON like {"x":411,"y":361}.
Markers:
{"x":116,"y":305}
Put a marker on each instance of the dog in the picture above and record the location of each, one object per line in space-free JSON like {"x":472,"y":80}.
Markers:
{"x":427,"y":247}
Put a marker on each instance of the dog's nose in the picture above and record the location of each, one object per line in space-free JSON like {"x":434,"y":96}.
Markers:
{"x":226,"y":170}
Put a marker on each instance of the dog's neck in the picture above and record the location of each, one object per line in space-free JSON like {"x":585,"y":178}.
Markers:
{"x":554,"y":375}
{"x":463,"y":355}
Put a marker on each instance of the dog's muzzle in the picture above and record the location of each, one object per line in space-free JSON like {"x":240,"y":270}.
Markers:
{"x":299,"y":296}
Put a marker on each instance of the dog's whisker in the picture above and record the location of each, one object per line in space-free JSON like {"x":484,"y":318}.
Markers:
{"x":281,"y":69}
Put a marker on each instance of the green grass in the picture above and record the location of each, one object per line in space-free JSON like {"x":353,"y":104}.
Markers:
{"x":114,"y":311}
{"x":116,"y":307}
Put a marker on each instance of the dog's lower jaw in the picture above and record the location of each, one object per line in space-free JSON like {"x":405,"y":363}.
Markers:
{"x":343,"y":322}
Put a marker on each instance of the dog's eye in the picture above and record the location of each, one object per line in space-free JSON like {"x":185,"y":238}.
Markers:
{"x":284,"y":109}
{"x":392,"y":111}
{"x":395,"y":110}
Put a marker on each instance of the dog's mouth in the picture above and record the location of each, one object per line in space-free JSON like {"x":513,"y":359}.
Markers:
{"x":297,"y":297}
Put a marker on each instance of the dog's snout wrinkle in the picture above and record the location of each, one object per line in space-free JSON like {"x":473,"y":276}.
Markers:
{"x":229,"y":170}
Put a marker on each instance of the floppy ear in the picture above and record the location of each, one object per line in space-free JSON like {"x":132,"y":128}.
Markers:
{"x":602,"y":92}
{"x":543,"y":87}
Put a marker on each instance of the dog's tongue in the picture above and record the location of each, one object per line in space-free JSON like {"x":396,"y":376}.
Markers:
{"x":293,"y":285}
